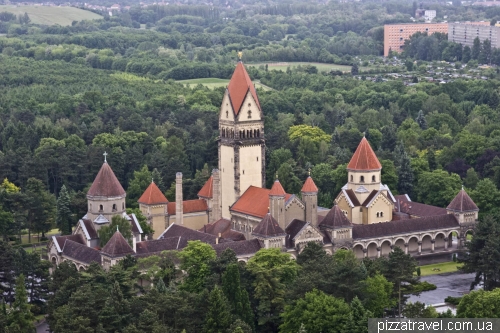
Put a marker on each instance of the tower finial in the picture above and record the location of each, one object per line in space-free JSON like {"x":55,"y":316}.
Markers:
{"x":364,"y":134}
{"x":117,"y":228}
{"x":462,"y":186}
{"x":309,"y":172}
{"x":240,"y":55}
{"x":105,"y":154}
{"x":276,"y":175}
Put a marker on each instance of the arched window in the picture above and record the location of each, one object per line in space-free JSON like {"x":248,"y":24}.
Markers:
{"x":249,"y":114}
{"x":258,"y":133}
{"x":227,"y":114}
{"x":223,"y":132}
{"x":114,"y":208}
{"x":90,"y":207}
{"x":378,"y":214}
{"x":381,"y":214}
{"x":123,"y":205}
{"x":373,"y":179}
{"x":101,"y":208}
{"x":352,"y":178}
{"x":232,"y":134}
{"x":362,"y":179}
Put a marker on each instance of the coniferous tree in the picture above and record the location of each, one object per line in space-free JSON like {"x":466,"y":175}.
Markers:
{"x":431,"y":159}
{"x":358,"y":318}
{"x":405,"y":175}
{"x":476,"y":49}
{"x":398,"y":153}
{"x":63,"y":213}
{"x":422,"y":122}
{"x":160,"y":287}
{"x":218,"y":317}
{"x":3,"y":316}
{"x":466,"y":54}
{"x":237,"y":296}
{"x":156,"y":175}
{"x":20,"y":318}
{"x":114,"y":314}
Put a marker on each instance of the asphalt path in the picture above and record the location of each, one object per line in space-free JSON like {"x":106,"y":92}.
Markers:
{"x":448,"y":284}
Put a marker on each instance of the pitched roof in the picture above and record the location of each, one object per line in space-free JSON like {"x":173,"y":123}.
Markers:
{"x":59,"y":240}
{"x":268,"y":227}
{"x":335,"y":219}
{"x":239,"y":86}
{"x":352,"y":197}
{"x":462,"y":203}
{"x":89,"y":228}
{"x":106,"y":184}
{"x":277,"y":189}
{"x":159,"y":245}
{"x":80,"y":252}
{"x":175,"y":230}
{"x":241,"y":248}
{"x":222,"y":227}
{"x":188,"y":206}
{"x":294,"y":227}
{"x":405,"y":205}
{"x":254,"y":201}
{"x":404,"y":226}
{"x":152,"y":196}
{"x":207,"y":189}
{"x":369,"y":198}
{"x":309,"y":186}
{"x":364,"y":158}
{"x":117,"y":246}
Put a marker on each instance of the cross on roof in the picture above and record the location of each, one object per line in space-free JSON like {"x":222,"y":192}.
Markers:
{"x":105,"y":154}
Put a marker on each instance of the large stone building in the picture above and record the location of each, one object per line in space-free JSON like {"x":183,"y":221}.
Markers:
{"x":234,"y":210}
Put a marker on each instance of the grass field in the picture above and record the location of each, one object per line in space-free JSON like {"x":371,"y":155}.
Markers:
{"x":444,"y":267}
{"x":51,"y":15}
{"x":321,"y":66}
{"x":215,"y":83}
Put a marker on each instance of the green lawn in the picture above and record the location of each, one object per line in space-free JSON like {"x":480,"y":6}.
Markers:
{"x":51,"y":15}
{"x":444,"y":267}
{"x":215,"y":83}
{"x":34,"y":237}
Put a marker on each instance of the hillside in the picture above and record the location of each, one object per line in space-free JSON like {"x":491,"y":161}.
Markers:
{"x":51,"y":15}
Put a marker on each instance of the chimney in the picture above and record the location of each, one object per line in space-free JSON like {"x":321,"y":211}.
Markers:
{"x":134,"y":244}
{"x":178,"y":199}
{"x":216,"y":201}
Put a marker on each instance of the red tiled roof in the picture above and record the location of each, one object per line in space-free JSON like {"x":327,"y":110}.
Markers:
{"x":277,"y":189}
{"x":188,"y":206}
{"x":207,"y":189}
{"x":268,"y":227}
{"x":462,"y":203}
{"x":117,"y":246}
{"x":309,"y":186}
{"x":254,"y":201}
{"x":152,"y":196}
{"x":238,"y":87}
{"x":106,"y":184}
{"x":364,"y":158}
{"x":335,"y":219}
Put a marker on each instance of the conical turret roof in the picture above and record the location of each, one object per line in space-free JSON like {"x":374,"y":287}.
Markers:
{"x":152,"y":196}
{"x":364,"y":158}
{"x":277,"y":189}
{"x":207,"y":189}
{"x":106,"y":184}
{"x":335,"y":219}
{"x":309,"y":186}
{"x":268,"y":228}
{"x":238,"y":87}
{"x":462,"y":203}
{"x":117,"y":246}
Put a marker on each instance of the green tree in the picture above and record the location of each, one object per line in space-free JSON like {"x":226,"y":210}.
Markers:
{"x":117,"y":223}
{"x":317,"y":312}
{"x":378,"y":294}
{"x":471,"y":179}
{"x":422,"y":122}
{"x":466,"y":54}
{"x":64,"y":218}
{"x":486,"y":196}
{"x":355,"y":69}
{"x":218,"y":317}
{"x":476,"y":48}
{"x":138,"y":185}
{"x":419,"y":310}
{"x":479,"y":304}
{"x":437,"y":187}
{"x":405,"y":175}
{"x":236,"y":295}
{"x":20,"y":318}
{"x":195,"y":261}
{"x":389,"y":175}
{"x":358,"y":319}
{"x":431,"y":159}
{"x":288,"y":179}
{"x":114,"y":315}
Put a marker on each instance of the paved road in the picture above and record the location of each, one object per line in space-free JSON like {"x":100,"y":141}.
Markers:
{"x":448,"y":284}
{"x":42,"y":328}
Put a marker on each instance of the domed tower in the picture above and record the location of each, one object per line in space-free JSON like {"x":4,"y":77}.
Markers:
{"x":106,"y":197}
{"x":241,"y":144}
{"x":364,"y":171}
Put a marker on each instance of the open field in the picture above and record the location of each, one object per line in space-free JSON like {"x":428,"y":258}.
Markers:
{"x":213,"y":83}
{"x":51,"y":15}
{"x":34,"y":237}
{"x":444,"y":267}
{"x":281,"y":66}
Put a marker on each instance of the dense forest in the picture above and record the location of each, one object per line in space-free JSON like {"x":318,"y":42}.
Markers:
{"x":69,"y":94}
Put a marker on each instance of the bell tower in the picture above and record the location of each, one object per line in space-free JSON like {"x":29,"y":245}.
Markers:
{"x":241,"y":140}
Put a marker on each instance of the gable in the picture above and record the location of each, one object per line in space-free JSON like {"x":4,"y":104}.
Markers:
{"x":249,"y":104}
{"x":308,"y":233}
{"x":379,"y":200}
{"x":226,"y":110}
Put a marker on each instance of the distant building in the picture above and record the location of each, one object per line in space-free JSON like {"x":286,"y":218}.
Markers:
{"x":429,"y":15}
{"x":465,"y":33}
{"x":396,"y":34}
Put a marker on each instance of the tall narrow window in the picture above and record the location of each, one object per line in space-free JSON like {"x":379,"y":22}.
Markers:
{"x":249,"y":114}
{"x":373,"y":179}
{"x":227,"y":114}
{"x":352,"y":178}
{"x":362,"y":179}
{"x":100,"y":208}
{"x":114,"y":208}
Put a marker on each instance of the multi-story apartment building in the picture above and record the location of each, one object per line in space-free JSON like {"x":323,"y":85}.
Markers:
{"x":396,"y":34}
{"x":465,"y":33}
{"x":429,"y":15}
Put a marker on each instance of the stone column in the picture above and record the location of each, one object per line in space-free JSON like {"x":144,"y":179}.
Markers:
{"x":216,"y":206}
{"x":432,"y":245}
{"x":178,"y":199}
{"x":365,"y":253}
{"x":419,"y":248}
{"x":446,"y":244}
{"x":378,"y":252}
{"x":406,"y":248}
